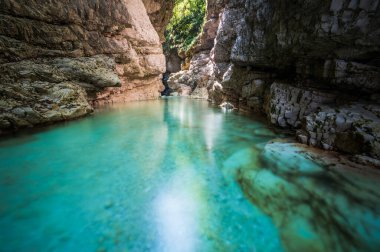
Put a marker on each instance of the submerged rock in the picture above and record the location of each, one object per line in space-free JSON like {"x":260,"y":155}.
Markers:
{"x":318,"y":207}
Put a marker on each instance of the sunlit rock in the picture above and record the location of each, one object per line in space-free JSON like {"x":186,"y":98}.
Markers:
{"x":197,"y":78}
{"x":108,"y":51}
{"x":227,"y":106}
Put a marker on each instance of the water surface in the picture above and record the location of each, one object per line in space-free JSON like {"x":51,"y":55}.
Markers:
{"x":176,"y":175}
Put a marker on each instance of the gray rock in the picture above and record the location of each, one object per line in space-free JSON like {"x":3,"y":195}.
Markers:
{"x":291,"y":104}
{"x":227,"y":106}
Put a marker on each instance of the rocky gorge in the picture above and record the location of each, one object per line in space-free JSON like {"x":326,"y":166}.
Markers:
{"x":273,"y":150}
{"x":60,"y":58}
{"x":312,"y":67}
{"x":309,"y":66}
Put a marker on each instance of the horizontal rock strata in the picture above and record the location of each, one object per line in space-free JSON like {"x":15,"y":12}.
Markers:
{"x":59,"y":58}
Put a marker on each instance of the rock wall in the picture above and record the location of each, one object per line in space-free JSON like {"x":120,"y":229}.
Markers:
{"x":160,"y":12}
{"x":312,"y":66}
{"x":60,"y":57}
{"x":200,"y":73}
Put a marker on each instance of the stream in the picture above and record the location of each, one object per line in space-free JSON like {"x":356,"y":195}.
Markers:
{"x":177,"y":175}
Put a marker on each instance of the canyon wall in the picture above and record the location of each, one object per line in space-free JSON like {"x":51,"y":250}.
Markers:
{"x":311,"y":66}
{"x":195,"y":80}
{"x":58,"y":58}
{"x":160,"y":12}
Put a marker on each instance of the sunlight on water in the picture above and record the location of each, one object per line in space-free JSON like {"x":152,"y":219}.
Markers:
{"x":176,"y":175}
{"x":177,"y":215}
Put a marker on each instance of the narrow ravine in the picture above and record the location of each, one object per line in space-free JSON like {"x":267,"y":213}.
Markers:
{"x":190,"y":125}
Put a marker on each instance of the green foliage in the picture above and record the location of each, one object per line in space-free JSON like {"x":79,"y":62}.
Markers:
{"x":185,"y":24}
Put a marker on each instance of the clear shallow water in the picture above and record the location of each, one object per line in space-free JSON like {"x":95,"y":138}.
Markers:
{"x":176,"y":175}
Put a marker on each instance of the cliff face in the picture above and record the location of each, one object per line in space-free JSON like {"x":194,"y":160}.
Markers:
{"x":308,"y":65}
{"x":195,"y":80}
{"x":160,"y":12}
{"x":58,"y":58}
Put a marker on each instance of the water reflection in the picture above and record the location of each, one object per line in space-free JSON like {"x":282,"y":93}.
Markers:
{"x":212,"y":128}
{"x":185,"y":222}
{"x":178,"y":215}
{"x":178,"y":202}
{"x":168,"y":176}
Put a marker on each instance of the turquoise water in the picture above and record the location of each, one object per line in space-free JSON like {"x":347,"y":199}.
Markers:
{"x":176,"y":175}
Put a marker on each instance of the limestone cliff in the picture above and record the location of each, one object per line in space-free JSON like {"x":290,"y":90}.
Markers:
{"x":160,"y":12}
{"x":312,"y":66}
{"x":58,"y":58}
{"x":194,"y":80}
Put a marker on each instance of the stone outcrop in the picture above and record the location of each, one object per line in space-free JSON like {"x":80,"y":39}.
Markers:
{"x":173,"y":61}
{"x":354,"y":129}
{"x":286,"y":106}
{"x":194,"y":81}
{"x":58,"y":58}
{"x":199,"y":76}
{"x":304,"y":64}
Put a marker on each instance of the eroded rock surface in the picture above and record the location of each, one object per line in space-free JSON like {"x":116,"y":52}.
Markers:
{"x":199,"y":76}
{"x":194,"y":81}
{"x":354,"y":129}
{"x":160,"y":12}
{"x":297,"y":62}
{"x":287,"y":106}
{"x":58,"y":58}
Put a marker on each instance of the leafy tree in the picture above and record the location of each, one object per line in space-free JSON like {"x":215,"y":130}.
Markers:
{"x":185,"y":24}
